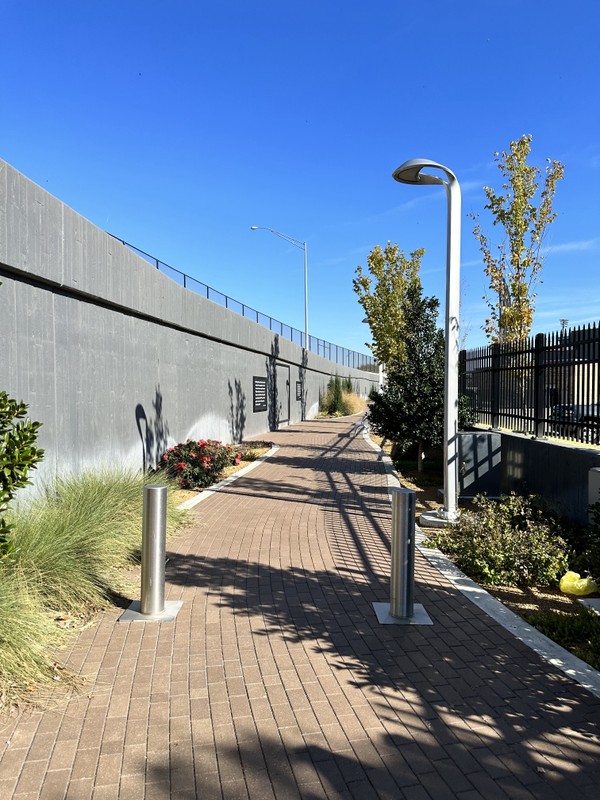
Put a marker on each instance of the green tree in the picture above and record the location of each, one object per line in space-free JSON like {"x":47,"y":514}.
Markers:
{"x":410,"y":410}
{"x":382,"y":293}
{"x":514,"y":273}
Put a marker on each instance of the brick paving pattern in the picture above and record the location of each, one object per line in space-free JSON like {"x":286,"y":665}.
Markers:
{"x":276,"y":680}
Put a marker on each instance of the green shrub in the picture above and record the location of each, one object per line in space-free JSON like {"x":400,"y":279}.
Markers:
{"x":579,"y":633}
{"x":511,"y":542}
{"x":467,"y":416}
{"x":197,"y":464}
{"x":18,"y":456}
{"x":585,"y":546}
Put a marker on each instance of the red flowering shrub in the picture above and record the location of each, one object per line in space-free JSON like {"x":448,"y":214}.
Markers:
{"x":195,"y":465}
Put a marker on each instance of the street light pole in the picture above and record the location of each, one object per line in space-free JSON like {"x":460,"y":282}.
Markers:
{"x":410,"y":172}
{"x":302,"y":246}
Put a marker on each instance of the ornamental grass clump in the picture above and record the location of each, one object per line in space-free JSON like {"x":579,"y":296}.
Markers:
{"x":68,"y":547}
{"x":514,"y":541}
{"x":72,"y":541}
{"x":252,"y":450}
{"x":197,"y":464}
{"x":339,"y":400}
{"x":26,"y":633}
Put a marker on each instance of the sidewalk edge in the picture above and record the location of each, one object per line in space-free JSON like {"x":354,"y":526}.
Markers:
{"x":553,"y":653}
{"x":206,"y":493}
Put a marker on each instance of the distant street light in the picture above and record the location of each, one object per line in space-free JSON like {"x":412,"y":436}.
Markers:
{"x":302,"y":246}
{"x":410,"y":172}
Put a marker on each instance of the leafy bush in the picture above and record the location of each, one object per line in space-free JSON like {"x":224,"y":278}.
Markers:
{"x":511,"y":542}
{"x":585,"y":546}
{"x":18,"y":455}
{"x":197,"y":464}
{"x":579,"y":633}
{"x":467,"y":416}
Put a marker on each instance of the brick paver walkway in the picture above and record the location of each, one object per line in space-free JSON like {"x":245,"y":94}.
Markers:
{"x":276,"y":680}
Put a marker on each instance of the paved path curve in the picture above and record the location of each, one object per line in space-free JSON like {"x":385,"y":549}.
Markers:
{"x":276,"y":680}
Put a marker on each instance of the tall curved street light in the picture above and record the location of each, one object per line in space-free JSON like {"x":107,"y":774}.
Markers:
{"x":302,"y":246}
{"x":410,"y":172}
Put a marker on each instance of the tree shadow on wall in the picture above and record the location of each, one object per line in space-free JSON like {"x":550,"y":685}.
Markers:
{"x":154,"y":433}
{"x":272,"y":392}
{"x":302,"y":375}
{"x":237,"y":410}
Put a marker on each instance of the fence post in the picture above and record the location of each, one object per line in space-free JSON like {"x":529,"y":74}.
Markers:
{"x":539,"y":386}
{"x":462,"y":378}
{"x":495,"y":352}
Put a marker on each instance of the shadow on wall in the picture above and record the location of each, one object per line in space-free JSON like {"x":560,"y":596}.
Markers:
{"x":302,"y":376}
{"x":237,"y":410}
{"x":272,"y":393}
{"x":154,"y":434}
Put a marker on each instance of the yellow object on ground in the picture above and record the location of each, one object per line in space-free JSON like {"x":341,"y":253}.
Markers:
{"x":573,"y":583}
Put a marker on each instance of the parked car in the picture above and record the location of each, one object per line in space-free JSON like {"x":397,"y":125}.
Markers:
{"x":581,"y":422}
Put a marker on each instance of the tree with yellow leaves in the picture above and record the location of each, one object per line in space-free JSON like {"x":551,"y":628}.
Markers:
{"x":383,"y":295}
{"x":515,"y":273}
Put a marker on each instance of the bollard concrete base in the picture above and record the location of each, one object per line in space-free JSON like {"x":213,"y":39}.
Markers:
{"x":434,"y":519}
{"x":419,"y":615}
{"x":168,"y":614}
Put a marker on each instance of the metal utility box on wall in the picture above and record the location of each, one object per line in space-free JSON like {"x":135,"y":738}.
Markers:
{"x":479,"y":464}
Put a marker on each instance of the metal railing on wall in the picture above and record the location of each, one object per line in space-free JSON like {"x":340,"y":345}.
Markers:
{"x":333,"y":352}
{"x":546,"y":385}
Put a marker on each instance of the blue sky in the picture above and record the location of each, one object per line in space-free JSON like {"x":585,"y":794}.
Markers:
{"x":176,"y":126}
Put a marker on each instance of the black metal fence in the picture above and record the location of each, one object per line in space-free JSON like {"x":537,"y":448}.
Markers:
{"x":333,"y":352}
{"x":546,"y":385}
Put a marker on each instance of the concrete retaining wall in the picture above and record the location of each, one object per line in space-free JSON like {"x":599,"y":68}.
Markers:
{"x":118,"y":361}
{"x":557,"y":472}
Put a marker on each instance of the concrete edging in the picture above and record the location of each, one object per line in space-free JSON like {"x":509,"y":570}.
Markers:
{"x":206,"y":493}
{"x":554,"y":654}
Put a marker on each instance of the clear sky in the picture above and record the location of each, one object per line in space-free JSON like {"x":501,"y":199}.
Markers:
{"x":178,"y":125}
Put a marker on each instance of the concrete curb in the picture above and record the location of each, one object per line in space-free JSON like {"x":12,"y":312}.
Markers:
{"x":554,"y":654}
{"x":206,"y":493}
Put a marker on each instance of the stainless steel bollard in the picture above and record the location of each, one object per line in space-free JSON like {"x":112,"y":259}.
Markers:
{"x":403,"y":553}
{"x":154,"y":545}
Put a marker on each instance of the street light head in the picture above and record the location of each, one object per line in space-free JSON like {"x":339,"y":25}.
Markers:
{"x":253,"y":227}
{"x":410,"y":172}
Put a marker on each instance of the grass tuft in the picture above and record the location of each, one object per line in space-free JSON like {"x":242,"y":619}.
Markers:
{"x":26,"y":633}
{"x":71,"y":541}
{"x":70,"y":545}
